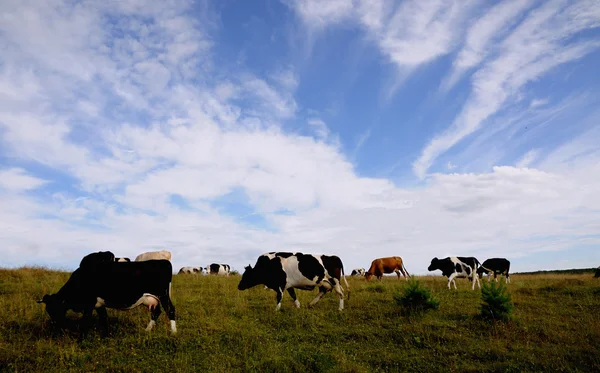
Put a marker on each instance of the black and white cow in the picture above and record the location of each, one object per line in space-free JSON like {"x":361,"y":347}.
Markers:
{"x":218,"y":269}
{"x":497,"y":266}
{"x":101,"y":283}
{"x":191,"y":270}
{"x":452,"y":267}
{"x":281,"y":271}
{"x":358,"y":272}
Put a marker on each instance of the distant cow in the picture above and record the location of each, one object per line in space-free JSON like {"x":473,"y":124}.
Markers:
{"x":157,"y":255}
{"x":358,"y":272}
{"x":386,"y":265}
{"x":98,"y":284}
{"x":218,"y":269}
{"x":597,"y":273}
{"x":190,"y":270}
{"x":452,"y":267}
{"x":288,"y":271}
{"x":122,"y":260}
{"x":497,"y":266}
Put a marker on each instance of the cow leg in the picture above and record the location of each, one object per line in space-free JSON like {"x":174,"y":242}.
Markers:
{"x":84,"y":325}
{"x":292,"y":294}
{"x":405,"y":274}
{"x":340,"y":292}
{"x":103,"y":320}
{"x":496,"y":277}
{"x":279,"y":297}
{"x":165,"y":302}
{"x":476,"y":278}
{"x":155,"y":313}
{"x":507,"y":278}
{"x":322,"y":291}
{"x":397,"y":273}
{"x":451,"y":280}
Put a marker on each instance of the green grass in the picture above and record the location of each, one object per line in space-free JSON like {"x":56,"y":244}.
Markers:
{"x":555,"y":327}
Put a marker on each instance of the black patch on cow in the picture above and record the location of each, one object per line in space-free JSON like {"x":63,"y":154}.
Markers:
{"x":214,"y":268}
{"x":282,"y":254}
{"x":310,"y":267}
{"x":496,"y":266}
{"x":446,"y":265}
{"x":95,"y":258}
{"x":333,"y":265}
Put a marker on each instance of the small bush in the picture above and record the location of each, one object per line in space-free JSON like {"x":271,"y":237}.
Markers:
{"x":415,"y":298}
{"x":496,"y":302}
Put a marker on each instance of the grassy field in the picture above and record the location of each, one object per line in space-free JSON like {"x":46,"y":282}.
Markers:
{"x":556,"y":327}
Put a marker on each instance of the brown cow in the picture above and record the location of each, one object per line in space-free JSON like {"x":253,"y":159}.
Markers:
{"x":386,"y":265}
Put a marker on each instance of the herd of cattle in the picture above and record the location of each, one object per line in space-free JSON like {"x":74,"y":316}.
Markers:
{"x":104,"y":281}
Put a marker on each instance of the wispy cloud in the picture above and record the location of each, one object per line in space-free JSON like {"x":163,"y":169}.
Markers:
{"x":527,"y":158}
{"x":537,"y":45}
{"x":481,"y":35}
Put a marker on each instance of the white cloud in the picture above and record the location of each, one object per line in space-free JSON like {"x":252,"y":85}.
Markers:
{"x":319,"y":127}
{"x":535,"y":103}
{"x":16,"y":179}
{"x":409,"y":34}
{"x":528,"y":158}
{"x":483,"y":32}
{"x":537,"y":45}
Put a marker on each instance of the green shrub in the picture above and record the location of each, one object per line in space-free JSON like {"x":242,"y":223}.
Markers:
{"x":415,"y":298}
{"x":496,"y":302}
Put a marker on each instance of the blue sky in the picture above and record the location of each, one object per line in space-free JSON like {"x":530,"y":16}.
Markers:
{"x":222,"y":130}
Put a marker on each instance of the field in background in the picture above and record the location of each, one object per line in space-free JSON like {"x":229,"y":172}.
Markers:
{"x":556,"y":327}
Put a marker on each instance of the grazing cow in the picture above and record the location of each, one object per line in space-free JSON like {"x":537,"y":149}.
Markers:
{"x":288,"y":271}
{"x":156,"y":255}
{"x":191,"y":270}
{"x":122,"y":260}
{"x":386,"y":265}
{"x":99,"y":284}
{"x":218,"y":269}
{"x":496,"y":266}
{"x":597,"y":273}
{"x":452,"y":267}
{"x":358,"y":272}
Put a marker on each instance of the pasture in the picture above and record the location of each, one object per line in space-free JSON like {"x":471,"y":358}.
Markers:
{"x":555,"y":327}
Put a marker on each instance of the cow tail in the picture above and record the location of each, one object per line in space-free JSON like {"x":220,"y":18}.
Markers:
{"x":346,"y":281}
{"x":405,"y":270}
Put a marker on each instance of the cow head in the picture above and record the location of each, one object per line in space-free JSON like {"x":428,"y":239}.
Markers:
{"x":55,"y":307}
{"x":368,"y":275}
{"x":248,"y":278}
{"x":434,"y":264}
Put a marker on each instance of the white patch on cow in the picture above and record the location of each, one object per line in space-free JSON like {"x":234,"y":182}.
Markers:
{"x":173,"y":326}
{"x":463,"y":273}
{"x":99,"y":302}
{"x":297,"y":303}
{"x":163,"y":254}
{"x":148,"y":300}
{"x":278,"y":306}
{"x":150,"y":325}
